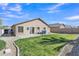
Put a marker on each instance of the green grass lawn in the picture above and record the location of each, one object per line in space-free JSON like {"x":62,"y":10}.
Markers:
{"x":2,"y":44}
{"x":46,"y":45}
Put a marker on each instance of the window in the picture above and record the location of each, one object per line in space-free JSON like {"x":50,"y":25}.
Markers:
{"x":20,"y":29}
{"x":27,"y":28}
{"x":32,"y":30}
{"x":38,"y":28}
{"x":44,"y":28}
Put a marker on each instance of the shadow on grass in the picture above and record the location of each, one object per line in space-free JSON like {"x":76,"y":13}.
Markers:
{"x":59,"y":47}
{"x":53,"y":40}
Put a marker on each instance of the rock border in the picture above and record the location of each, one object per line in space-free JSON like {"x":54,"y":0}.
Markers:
{"x":64,"y":49}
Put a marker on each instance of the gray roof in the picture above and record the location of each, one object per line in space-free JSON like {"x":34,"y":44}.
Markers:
{"x":32,"y":20}
{"x":56,"y":25}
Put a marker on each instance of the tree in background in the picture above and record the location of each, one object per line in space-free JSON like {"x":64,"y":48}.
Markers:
{"x":1,"y":26}
{"x":0,"y":22}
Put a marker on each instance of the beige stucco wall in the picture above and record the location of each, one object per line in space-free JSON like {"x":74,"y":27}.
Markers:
{"x":1,"y":31}
{"x":35,"y":23}
{"x":62,"y":26}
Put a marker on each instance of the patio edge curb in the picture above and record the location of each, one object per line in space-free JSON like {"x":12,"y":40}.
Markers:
{"x":17,"y":49}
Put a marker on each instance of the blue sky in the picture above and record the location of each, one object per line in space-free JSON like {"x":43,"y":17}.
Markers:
{"x":67,"y":13}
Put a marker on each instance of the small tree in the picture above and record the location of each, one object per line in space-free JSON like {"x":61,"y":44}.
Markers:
{"x":0,"y":22}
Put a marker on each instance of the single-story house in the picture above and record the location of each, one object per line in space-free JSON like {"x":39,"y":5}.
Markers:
{"x":35,"y":26}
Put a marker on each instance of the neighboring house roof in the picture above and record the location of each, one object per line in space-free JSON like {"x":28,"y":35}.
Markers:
{"x":68,"y":26}
{"x":32,"y":20}
{"x":56,"y":25}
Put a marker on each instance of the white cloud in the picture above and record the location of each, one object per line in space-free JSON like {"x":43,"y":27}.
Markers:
{"x":11,"y":15}
{"x":2,"y":13}
{"x":16,"y":16}
{"x":28,"y":3}
{"x":56,"y":6}
{"x":50,"y":11}
{"x":53,"y":8}
{"x":6,"y":12}
{"x":73,"y":17}
{"x":17,"y":8}
{"x":4,"y":5}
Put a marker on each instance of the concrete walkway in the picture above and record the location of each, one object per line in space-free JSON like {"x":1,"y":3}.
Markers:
{"x":9,"y":44}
